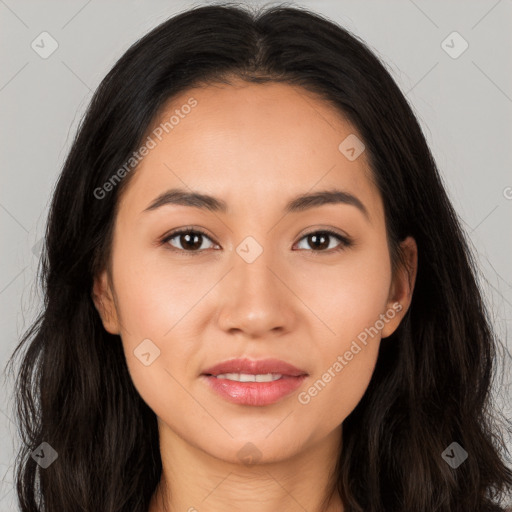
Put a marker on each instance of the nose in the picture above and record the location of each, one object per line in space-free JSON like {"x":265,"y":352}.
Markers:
{"x":256,"y":298}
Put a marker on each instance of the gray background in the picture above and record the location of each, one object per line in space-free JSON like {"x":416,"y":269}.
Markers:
{"x":464,"y":105}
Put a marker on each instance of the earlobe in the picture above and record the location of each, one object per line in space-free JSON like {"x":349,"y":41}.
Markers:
{"x":402,"y":287}
{"x":101,"y":295}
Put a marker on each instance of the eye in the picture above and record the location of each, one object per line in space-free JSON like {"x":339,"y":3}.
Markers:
{"x":191,"y":240}
{"x":320,"y":241}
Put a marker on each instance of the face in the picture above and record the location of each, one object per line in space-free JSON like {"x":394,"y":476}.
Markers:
{"x":257,"y":274}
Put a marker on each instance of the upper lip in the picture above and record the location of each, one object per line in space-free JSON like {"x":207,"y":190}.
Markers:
{"x":255,"y":367}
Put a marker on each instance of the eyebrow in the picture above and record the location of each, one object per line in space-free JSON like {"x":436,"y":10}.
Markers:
{"x":179,"y":196}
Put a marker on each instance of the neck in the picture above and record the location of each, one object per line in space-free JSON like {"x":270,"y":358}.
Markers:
{"x":194,"y":481}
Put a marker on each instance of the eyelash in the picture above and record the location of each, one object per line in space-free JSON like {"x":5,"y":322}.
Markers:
{"x":345,"y":242}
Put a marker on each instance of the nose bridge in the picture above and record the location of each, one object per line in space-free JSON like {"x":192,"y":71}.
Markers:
{"x":256,"y":300}
{"x":251,"y":264}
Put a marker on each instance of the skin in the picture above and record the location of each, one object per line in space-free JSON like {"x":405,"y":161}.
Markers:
{"x":254,"y":146}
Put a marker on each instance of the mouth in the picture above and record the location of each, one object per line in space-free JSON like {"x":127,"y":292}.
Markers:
{"x":253,"y":382}
{"x":247,"y":377}
{"x":254,"y":367}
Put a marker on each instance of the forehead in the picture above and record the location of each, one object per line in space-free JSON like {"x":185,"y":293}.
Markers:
{"x":250,"y":143}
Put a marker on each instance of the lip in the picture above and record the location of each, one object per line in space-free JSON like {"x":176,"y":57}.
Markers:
{"x":254,"y":367}
{"x":254,"y":393}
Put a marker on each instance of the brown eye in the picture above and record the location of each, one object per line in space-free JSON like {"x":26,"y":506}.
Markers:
{"x":320,"y":241}
{"x":187,"y":240}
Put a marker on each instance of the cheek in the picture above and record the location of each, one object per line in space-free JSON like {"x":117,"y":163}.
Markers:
{"x":336,"y":390}
{"x":155,"y":301}
{"x":155,"y":291}
{"x":347,"y":294}
{"x":346,"y":365}
{"x":348,"y":298}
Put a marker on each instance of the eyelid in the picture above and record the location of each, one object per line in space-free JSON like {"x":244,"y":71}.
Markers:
{"x":322,"y":229}
{"x":185,"y":229}
{"x":345,"y":241}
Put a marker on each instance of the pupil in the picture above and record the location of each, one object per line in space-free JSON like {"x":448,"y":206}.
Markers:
{"x":316,"y":238}
{"x":188,"y":237}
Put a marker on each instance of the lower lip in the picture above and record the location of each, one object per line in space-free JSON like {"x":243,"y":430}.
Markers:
{"x":255,"y":393}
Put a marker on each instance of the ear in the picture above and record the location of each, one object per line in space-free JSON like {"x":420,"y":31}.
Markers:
{"x":402,"y":287}
{"x":102,"y":297}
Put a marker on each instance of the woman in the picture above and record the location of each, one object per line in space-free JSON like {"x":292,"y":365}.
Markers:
{"x":257,"y":293}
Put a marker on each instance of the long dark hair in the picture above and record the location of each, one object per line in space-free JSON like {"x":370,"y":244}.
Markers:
{"x":433,"y":379}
